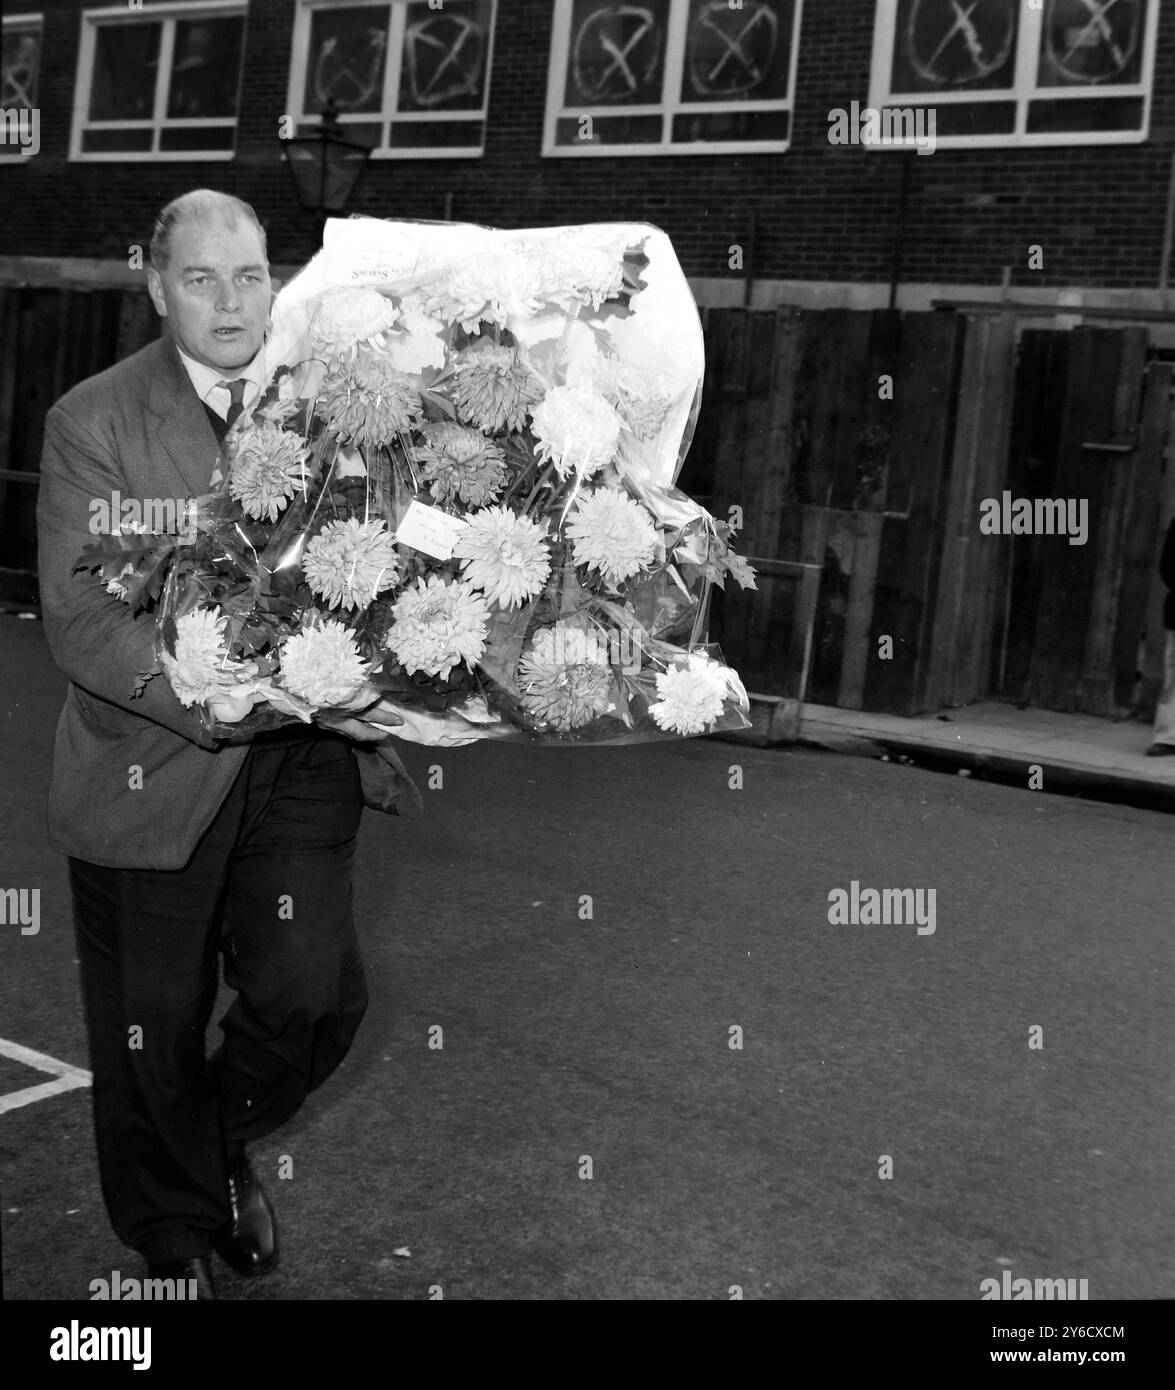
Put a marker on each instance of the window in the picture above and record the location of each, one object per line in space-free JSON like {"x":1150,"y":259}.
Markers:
{"x":671,"y":77}
{"x":1001,"y":72}
{"x":20,"y":60}
{"x":410,"y":80}
{"x":161,"y":83}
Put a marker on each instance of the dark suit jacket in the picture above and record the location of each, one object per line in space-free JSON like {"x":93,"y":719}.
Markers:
{"x":138,"y":429}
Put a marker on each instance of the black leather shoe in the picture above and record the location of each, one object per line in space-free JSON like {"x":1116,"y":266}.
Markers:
{"x":198,"y":1270}
{"x":249,"y":1242}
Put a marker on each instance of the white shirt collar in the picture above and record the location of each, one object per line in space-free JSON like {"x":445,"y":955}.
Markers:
{"x":207,"y":381}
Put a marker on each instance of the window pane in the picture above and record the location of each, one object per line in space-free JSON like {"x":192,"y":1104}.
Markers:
{"x":731,"y":126}
{"x":206,"y":67}
{"x":1109,"y":113}
{"x":20,"y":51}
{"x":197,"y":138}
{"x":616,"y":54}
{"x":948,"y":45}
{"x":611,"y":130}
{"x":1088,"y":41}
{"x":348,"y":49}
{"x":982,"y":118}
{"x":734,"y":54}
{"x":126,"y":58}
{"x":438,"y":135}
{"x":116,"y":141}
{"x":443,"y":65}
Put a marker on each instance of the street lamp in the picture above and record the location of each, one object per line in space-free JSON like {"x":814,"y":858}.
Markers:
{"x":325,"y":167}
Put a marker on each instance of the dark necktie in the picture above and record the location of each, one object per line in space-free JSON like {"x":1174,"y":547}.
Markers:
{"x":236,"y":390}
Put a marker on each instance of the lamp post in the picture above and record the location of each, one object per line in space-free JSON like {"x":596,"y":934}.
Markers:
{"x":325,"y":167}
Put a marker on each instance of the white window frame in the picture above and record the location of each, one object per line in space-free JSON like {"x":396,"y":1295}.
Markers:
{"x":1022,"y":92}
{"x":26,"y":21}
{"x":668,"y":108}
{"x":386,"y":116}
{"x":91,"y":21}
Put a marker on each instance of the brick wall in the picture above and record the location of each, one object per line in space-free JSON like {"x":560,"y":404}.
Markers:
{"x":820,"y":212}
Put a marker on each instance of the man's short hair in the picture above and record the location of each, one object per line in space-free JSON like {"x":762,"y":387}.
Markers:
{"x":200,"y":205}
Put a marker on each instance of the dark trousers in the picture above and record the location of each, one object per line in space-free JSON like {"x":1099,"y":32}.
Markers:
{"x":269,"y":890}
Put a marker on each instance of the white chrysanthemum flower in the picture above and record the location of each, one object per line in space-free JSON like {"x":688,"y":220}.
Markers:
{"x":692,"y":696}
{"x":267,"y":468}
{"x":577,"y":429}
{"x":504,"y":555}
{"x":349,"y":562}
{"x":564,"y":677}
{"x":347,"y":316}
{"x":322,"y":665}
{"x":487,"y":287}
{"x":570,"y":274}
{"x":416,"y":344}
{"x":436,"y":624}
{"x":612,"y":534}
{"x":369,"y":401}
{"x":494,"y":389}
{"x":641,"y":399}
{"x":201,"y":666}
{"x":460,"y":464}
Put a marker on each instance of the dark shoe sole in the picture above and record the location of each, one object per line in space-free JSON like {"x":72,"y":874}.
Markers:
{"x":249,"y":1267}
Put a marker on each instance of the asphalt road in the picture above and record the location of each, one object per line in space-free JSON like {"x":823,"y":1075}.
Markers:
{"x":567,"y":1038}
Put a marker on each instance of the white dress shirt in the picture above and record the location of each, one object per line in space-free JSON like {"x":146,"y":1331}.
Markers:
{"x":207,"y":381}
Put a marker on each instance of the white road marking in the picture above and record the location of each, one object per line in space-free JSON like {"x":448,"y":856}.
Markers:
{"x":65,"y":1076}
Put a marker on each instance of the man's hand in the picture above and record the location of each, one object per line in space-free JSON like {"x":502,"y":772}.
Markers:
{"x":352,"y":726}
{"x":387,"y":717}
{"x":231,"y":706}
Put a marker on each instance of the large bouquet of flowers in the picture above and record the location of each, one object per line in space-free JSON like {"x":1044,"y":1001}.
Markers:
{"x":458,"y":492}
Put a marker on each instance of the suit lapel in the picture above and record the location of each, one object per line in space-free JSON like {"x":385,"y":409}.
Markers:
{"x":182,"y":425}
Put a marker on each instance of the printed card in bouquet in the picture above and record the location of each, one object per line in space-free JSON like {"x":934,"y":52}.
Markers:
{"x":457,"y":494}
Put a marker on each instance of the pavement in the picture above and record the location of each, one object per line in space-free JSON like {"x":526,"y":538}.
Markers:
{"x":1044,"y":750}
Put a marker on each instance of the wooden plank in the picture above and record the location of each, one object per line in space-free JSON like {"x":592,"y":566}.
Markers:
{"x":759,"y":491}
{"x":958,"y":667}
{"x":1070,"y":571}
{"x":819,"y":403}
{"x":1094,"y":693}
{"x":859,"y":650}
{"x":832,"y":607}
{"x":848,"y":380}
{"x":925,"y":384}
{"x":871,"y":446}
{"x":764,"y":531}
{"x":1032,"y":464}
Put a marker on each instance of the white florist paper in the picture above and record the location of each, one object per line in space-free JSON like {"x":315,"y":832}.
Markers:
{"x":663,"y":333}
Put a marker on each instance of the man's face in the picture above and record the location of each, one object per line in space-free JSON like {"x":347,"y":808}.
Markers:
{"x":215,"y":292}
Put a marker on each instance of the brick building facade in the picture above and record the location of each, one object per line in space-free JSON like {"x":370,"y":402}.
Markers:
{"x":813,"y":215}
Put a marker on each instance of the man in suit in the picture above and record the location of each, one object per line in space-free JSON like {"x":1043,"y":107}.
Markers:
{"x":181,"y":846}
